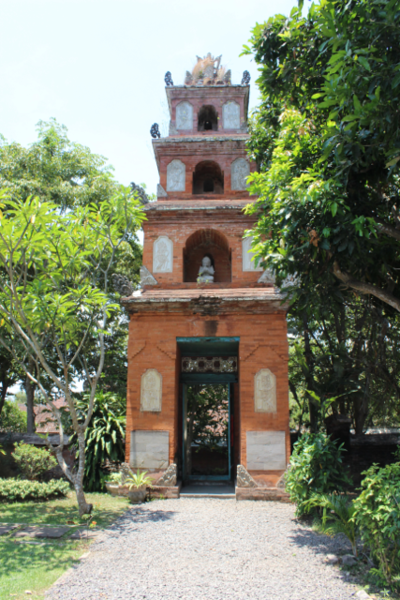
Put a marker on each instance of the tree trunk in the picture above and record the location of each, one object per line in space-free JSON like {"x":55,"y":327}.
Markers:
{"x":76,"y":478}
{"x":30,"y":396}
{"x":3,"y":394}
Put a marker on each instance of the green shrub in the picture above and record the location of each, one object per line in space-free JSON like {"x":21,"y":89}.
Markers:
{"x":377,"y":514}
{"x":12,"y":419}
{"x":337,"y":516}
{"x":33,"y":461}
{"x":17,"y":490}
{"x":315,"y":467}
{"x":104,"y":438}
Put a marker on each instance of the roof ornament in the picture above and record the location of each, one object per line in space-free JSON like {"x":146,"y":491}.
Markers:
{"x":168,"y":79}
{"x":155,"y":131}
{"x":122,"y":285}
{"x":246,"y":78}
{"x":142,"y":196}
{"x":208,"y":71}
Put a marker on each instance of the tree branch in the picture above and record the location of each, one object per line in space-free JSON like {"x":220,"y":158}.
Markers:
{"x":366,"y":288}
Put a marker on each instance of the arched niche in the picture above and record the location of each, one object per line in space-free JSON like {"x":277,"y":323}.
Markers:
{"x":176,"y":176}
{"x":207,"y":118}
{"x":184,"y":115}
{"x":208,"y":178}
{"x":211,"y":243}
{"x":231,"y":115}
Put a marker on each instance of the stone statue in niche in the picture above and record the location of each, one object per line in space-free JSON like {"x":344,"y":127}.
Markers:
{"x":162,"y":255}
{"x":151,"y":391}
{"x":240,"y":170}
{"x":206,"y":271}
{"x":176,"y":171}
{"x":231,"y":115}
{"x":184,"y":115}
{"x":265,"y":391}
{"x":247,"y":256}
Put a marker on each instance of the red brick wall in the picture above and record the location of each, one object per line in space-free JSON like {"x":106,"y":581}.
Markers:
{"x":263,"y":344}
{"x":179,"y":231}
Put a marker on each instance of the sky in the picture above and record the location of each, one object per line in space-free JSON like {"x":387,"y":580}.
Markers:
{"x":98,"y":66}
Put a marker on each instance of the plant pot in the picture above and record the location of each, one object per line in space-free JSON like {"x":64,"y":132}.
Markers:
{"x":137,"y":495}
{"x":112,"y":488}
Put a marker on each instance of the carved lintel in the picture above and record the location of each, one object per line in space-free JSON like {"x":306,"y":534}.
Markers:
{"x":244,"y":479}
{"x":161,"y":193}
{"x":169,"y":477}
{"x":146,"y":278}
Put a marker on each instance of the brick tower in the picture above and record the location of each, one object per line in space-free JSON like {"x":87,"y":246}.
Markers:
{"x":206,"y":313}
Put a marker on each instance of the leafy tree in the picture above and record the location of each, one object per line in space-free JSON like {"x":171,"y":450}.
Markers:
{"x":54,"y":284}
{"x":68,"y":175}
{"x":328,"y":185}
{"x":12,"y":419}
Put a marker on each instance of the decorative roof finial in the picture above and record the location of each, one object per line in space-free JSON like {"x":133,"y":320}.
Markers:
{"x":155,"y":131}
{"x":208,"y":71}
{"x":246,"y":78}
{"x":168,"y":79}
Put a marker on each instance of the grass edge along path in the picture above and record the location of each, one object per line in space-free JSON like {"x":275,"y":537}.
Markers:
{"x":33,"y":565}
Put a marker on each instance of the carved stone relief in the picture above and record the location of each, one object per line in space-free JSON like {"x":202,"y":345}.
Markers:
{"x":162,"y":255}
{"x":184,"y":115}
{"x":146,"y":278}
{"x":267,"y":277}
{"x":240,"y":170}
{"x":231,"y":115}
{"x":151,"y":391}
{"x":247,"y":256}
{"x":161,"y":193}
{"x":176,"y":172}
{"x":265,"y":391}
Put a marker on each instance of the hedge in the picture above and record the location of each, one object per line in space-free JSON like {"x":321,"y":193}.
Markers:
{"x":19,"y":490}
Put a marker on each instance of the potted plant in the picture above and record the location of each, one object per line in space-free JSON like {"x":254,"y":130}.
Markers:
{"x":137,"y":484}
{"x":113,"y":483}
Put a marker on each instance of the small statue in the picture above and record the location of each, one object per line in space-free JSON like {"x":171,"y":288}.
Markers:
{"x":246,"y":78}
{"x":155,"y":131}
{"x":122,"y":285}
{"x":206,"y":271}
{"x":168,"y":79}
{"x":142,"y":196}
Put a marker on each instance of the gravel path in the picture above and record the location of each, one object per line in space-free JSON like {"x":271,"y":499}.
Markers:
{"x":207,"y":549}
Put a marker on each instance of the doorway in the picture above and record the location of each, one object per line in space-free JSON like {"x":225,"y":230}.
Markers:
{"x":207,"y":439}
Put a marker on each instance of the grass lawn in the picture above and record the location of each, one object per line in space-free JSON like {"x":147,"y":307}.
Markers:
{"x":35,"y":567}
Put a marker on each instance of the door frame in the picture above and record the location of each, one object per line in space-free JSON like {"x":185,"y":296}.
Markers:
{"x":221,"y":381}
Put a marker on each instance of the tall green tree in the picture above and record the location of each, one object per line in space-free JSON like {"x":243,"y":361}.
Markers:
{"x":54,"y":301}
{"x":327,"y":141}
{"x":327,"y":137}
{"x":68,"y":175}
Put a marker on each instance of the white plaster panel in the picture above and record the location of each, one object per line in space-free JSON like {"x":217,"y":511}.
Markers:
{"x":184,"y":115}
{"x":149,"y":450}
{"x":266,"y":450}
{"x":231,"y":115}
{"x":240,"y":170}
{"x":176,"y":173}
{"x":248,"y":263}
{"x":151,"y":391}
{"x":265,"y":391}
{"x":163,"y":255}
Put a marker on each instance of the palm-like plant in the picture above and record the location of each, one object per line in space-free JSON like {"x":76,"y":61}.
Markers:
{"x":337,"y":516}
{"x":138,"y":480}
